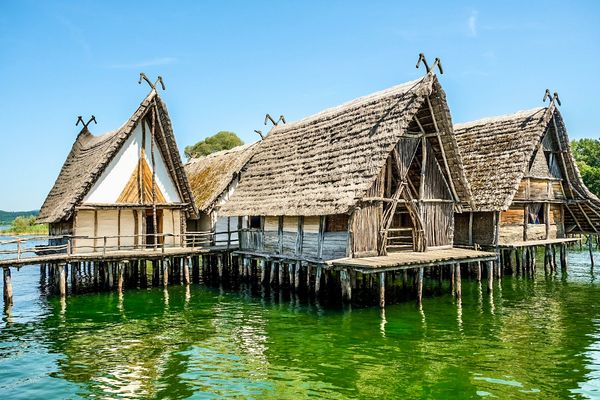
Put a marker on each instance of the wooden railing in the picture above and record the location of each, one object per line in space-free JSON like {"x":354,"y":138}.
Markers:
{"x":28,"y":247}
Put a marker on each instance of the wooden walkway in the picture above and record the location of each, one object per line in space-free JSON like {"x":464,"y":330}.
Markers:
{"x":532,"y":243}
{"x":114,"y":255}
{"x":411,"y":259}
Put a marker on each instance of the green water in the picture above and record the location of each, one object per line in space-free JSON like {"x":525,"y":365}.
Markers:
{"x":530,"y":339}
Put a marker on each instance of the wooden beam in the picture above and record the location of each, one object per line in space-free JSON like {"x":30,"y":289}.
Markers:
{"x":587,"y":218}
{"x":574,"y":218}
{"x":446,"y":166}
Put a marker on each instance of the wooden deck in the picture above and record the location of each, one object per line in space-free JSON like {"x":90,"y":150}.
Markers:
{"x":531,"y":243}
{"x":410,"y":260}
{"x":116,"y":255}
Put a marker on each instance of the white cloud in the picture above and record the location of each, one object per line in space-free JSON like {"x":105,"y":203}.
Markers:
{"x":472,"y":24}
{"x":146,"y":63}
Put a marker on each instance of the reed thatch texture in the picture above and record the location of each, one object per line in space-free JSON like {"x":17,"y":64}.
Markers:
{"x":211,"y":175}
{"x":497,"y":153}
{"x":324,"y":164}
{"x":90,"y":155}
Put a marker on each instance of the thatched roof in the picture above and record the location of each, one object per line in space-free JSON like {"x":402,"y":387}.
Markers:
{"x":90,"y":155}
{"x":497,"y":153}
{"x":211,"y":175}
{"x":324,"y":164}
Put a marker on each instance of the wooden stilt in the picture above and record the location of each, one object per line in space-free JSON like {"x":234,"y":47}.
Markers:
{"x":478,"y":266}
{"x":186,"y":270}
{"x":382,"y":289}
{"x":273,"y":273}
{"x":291,"y":274}
{"x":458,"y":284}
{"x":563,"y":258}
{"x":308,"y":271}
{"x":120,"y":268}
{"x":490,"y":275}
{"x":262,"y":265}
{"x":452,"y":277}
{"x":8,"y":289}
{"x":297,"y":275}
{"x":591,"y":248}
{"x":345,"y":284}
{"x":62,"y":280}
{"x":220,"y":267}
{"x":281,"y":274}
{"x":420,"y":286}
{"x":318,"y":280}
{"x":165,"y":270}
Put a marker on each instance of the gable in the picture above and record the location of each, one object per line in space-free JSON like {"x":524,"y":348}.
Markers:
{"x":118,"y":181}
{"x":539,"y":164}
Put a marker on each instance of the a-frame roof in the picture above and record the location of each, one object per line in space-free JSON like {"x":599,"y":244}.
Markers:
{"x":211,"y":175}
{"x":498,"y":151}
{"x":90,"y":155}
{"x":324,"y":164}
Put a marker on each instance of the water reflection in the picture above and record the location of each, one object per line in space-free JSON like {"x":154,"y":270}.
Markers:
{"x":539,"y":337}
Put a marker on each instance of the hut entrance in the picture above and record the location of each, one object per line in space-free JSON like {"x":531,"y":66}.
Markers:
{"x":151,"y":236}
{"x":400,"y":234}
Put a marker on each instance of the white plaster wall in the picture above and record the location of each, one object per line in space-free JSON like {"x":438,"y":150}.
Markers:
{"x":114,"y":178}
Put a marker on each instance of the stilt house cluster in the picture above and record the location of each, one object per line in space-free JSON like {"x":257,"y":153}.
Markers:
{"x":383,"y":186}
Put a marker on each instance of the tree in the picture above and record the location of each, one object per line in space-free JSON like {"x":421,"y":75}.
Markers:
{"x":223,"y":140}
{"x":587,"y":154}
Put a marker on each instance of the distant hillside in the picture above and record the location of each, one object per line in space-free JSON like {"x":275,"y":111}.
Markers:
{"x":6,"y":217}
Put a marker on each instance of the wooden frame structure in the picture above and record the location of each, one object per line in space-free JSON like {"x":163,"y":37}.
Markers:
{"x":126,"y":184}
{"x":526,"y":186}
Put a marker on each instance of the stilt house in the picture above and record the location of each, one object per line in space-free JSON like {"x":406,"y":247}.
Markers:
{"x":376,"y":175}
{"x":524,"y":180}
{"x":213,"y":179}
{"x":122,"y":190}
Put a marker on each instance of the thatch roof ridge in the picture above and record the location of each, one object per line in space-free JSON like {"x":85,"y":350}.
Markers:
{"x":496,"y":152}
{"x":354,"y":103}
{"x":499,"y":118}
{"x":210,"y":176}
{"x":325,"y":163}
{"x":88,"y":158}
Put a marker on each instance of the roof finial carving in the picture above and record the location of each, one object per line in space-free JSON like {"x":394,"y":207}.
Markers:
{"x":153,"y":86}
{"x":553,"y":98}
{"x":436,"y":63}
{"x":85,"y":124}
{"x":275,"y":123}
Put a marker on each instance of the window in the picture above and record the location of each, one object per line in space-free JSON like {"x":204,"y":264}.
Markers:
{"x":336,"y":223}
{"x":536,"y":214}
{"x":255,"y":222}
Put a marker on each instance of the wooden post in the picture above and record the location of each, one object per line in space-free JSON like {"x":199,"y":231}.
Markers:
{"x":346,"y":287}
{"x":478,"y":271}
{"x":546,"y":259}
{"x":297,"y":275}
{"x":291,"y":274}
{"x":73,"y":277}
{"x":563,"y":258}
{"x":517,"y":261}
{"x":490,"y":275}
{"x":308,"y":277}
{"x":262,"y":265}
{"x":220,"y":267}
{"x":165,"y":265}
{"x":62,"y":280}
{"x":452,"y":277}
{"x":590,"y":248}
{"x":420,"y":286}
{"x":382,"y":289}
{"x":281,"y":273}
{"x":318,"y":280}
{"x":8,"y":289}
{"x":273,"y":273}
{"x":186,"y":271}
{"x":120,"y":277}
{"x":458,"y":282}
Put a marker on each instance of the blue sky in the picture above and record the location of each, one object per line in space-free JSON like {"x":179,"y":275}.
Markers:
{"x":226,"y":64}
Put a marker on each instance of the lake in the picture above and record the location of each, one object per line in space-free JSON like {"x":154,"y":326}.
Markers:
{"x":531,"y":339}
